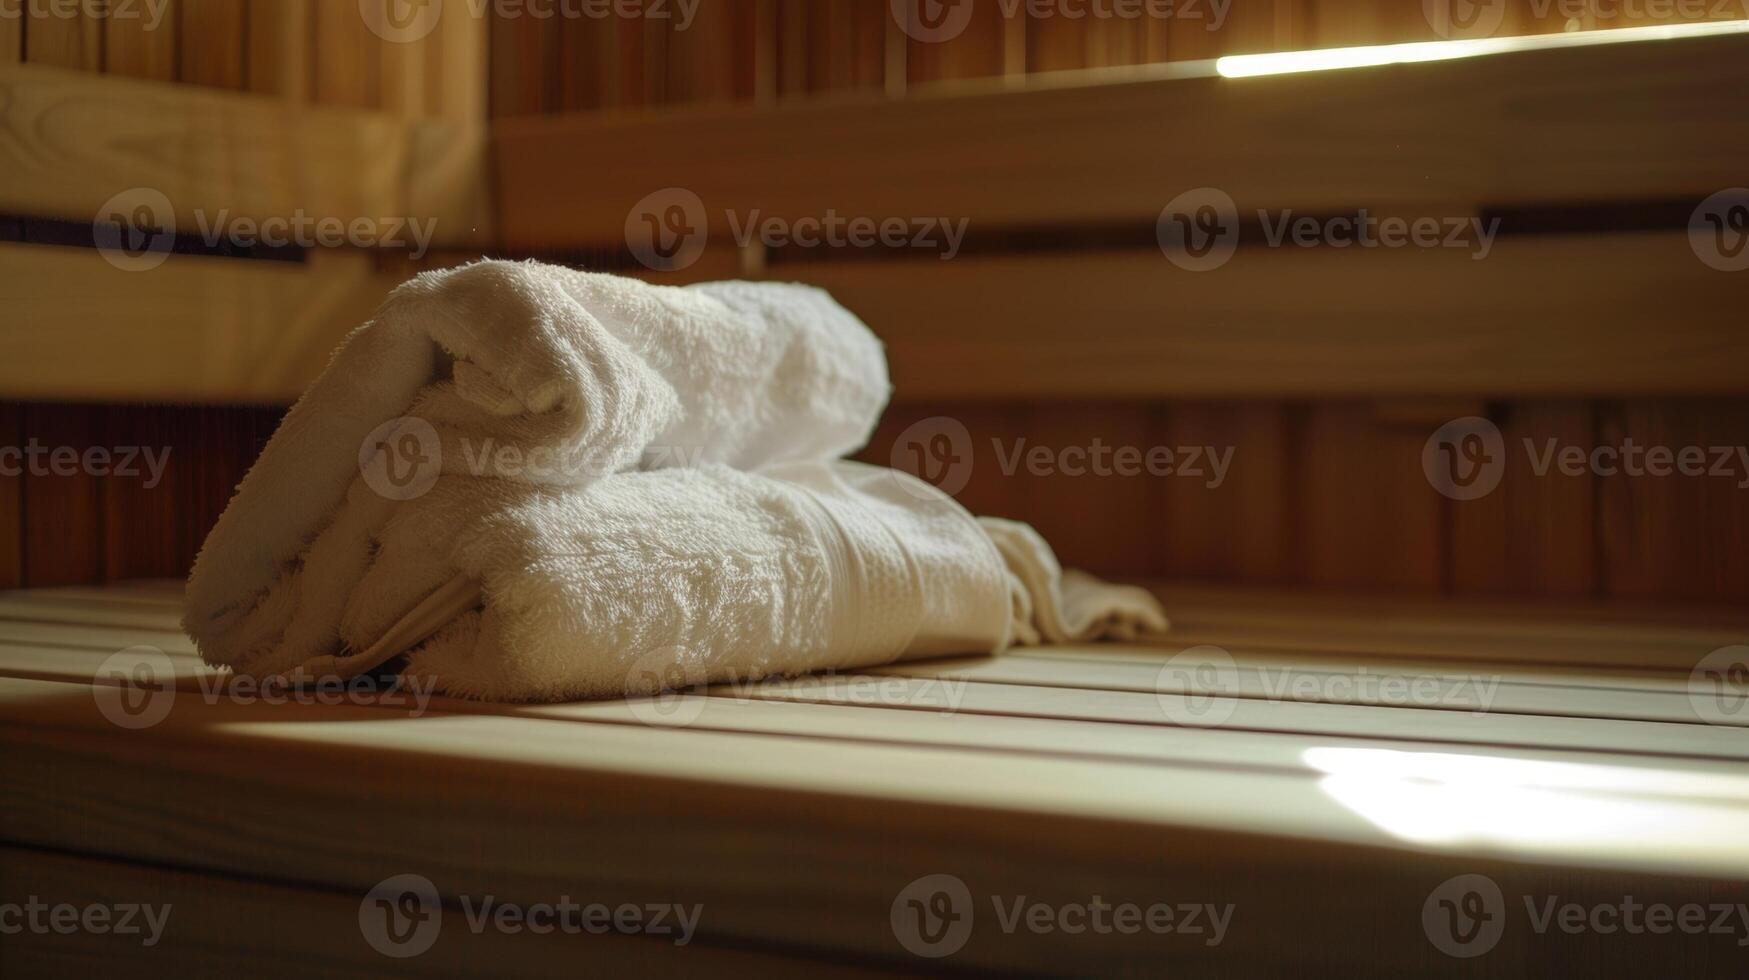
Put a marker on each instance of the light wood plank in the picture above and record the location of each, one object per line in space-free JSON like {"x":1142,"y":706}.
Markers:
{"x":76,"y":141}
{"x":1498,"y":130}
{"x":1290,"y":323}
{"x":193,"y":329}
{"x":1413,"y":724}
{"x":213,"y":928}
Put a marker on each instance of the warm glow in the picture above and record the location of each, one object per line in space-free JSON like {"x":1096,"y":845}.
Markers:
{"x":1449,"y":799}
{"x":1326,"y":59}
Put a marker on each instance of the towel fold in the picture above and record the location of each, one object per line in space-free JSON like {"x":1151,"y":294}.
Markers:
{"x":603,"y":487}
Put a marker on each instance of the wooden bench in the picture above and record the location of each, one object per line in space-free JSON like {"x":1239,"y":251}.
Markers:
{"x":1325,"y":788}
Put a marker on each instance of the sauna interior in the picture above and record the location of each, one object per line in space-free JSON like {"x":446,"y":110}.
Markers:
{"x":1399,"y":348}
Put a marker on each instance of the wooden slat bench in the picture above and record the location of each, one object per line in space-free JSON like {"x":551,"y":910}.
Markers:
{"x":1320,"y":802}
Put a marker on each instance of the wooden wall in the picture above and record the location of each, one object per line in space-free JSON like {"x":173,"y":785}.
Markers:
{"x":1326,"y":494}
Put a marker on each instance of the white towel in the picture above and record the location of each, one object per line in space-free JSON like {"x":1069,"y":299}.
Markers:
{"x":638,"y":477}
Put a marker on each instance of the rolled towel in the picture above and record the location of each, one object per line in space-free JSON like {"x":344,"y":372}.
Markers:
{"x":650,"y":580}
{"x":527,"y":373}
{"x":620,"y":488}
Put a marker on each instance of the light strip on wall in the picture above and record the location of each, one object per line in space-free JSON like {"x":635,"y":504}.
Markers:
{"x":1328,"y":59}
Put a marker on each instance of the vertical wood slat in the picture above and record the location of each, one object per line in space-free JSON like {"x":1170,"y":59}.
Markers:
{"x":346,"y":62}
{"x":1102,"y":520}
{"x":712,"y":59}
{"x":457,"y":66}
{"x":63,"y":529}
{"x":980,"y":50}
{"x":524,"y":58}
{"x":11,"y":40}
{"x":213,"y":39}
{"x":141,"y":515}
{"x":65,"y":42}
{"x":137,"y":47}
{"x":1370,"y":518}
{"x":1241,"y":530}
{"x":11,"y":501}
{"x":279,"y":37}
{"x":1675,"y":535}
{"x":1535,"y":533}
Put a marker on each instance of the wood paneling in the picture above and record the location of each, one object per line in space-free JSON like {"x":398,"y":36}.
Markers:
{"x":1493,"y":131}
{"x":193,"y":329}
{"x":67,"y":36}
{"x":77,"y":140}
{"x":279,"y":37}
{"x":1289,"y":322}
{"x":214,"y":39}
{"x":139,"y":48}
{"x":1535,"y":533}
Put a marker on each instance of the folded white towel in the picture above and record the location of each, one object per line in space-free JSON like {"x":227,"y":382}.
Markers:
{"x":634,"y":480}
{"x":530,"y":373}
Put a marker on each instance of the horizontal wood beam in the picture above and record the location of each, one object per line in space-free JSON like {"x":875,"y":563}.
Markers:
{"x":71,"y":141}
{"x":1541,"y":315}
{"x":1593,"y":123}
{"x":194,"y":329}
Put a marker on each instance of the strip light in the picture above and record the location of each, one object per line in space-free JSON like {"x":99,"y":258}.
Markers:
{"x":1329,"y":59}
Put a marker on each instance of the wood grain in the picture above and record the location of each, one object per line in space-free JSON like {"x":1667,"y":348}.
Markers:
{"x":1481,"y":131}
{"x":279,"y":38}
{"x":138,"y":48}
{"x":204,"y":329}
{"x":1289,"y":322}
{"x":69,"y":36}
{"x":213,"y":43}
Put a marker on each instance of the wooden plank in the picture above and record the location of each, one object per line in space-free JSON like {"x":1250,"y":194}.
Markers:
{"x":1676,"y":534}
{"x":1291,"y":323}
{"x":279,"y":48}
{"x":969,"y":41}
{"x":1499,"y":130}
{"x":139,"y":47}
{"x":457,"y":68}
{"x":1233,"y":525}
{"x":211,"y":927}
{"x":1535,"y":533}
{"x":1370,"y":518}
{"x":12,"y":500}
{"x":193,"y":329}
{"x":748,"y":713}
{"x":63,"y":529}
{"x":11,"y":40}
{"x":347,"y":65}
{"x":68,"y":36}
{"x":1692,"y":740}
{"x":213,"y":43}
{"x":76,"y":141}
{"x":1478,"y":691}
{"x":1093,"y":497}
